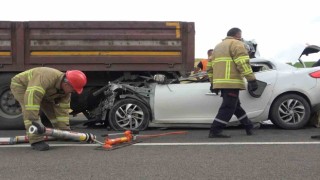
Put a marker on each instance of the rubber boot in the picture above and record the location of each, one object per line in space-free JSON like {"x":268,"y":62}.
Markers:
{"x":248,"y":126}
{"x":216,"y":132}
{"x":249,"y":129}
{"x":40,"y":146}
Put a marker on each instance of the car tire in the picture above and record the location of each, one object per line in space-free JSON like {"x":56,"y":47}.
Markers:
{"x":129,"y":114}
{"x":290,"y":111}
{"x":10,"y":111}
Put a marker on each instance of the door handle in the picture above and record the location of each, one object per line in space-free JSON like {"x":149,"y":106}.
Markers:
{"x":212,"y":94}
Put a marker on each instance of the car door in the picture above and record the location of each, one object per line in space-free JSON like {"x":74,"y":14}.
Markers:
{"x":185,"y":103}
{"x":256,"y":107}
{"x":193,"y":102}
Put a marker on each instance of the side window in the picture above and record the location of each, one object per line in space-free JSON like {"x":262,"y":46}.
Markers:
{"x":258,"y":67}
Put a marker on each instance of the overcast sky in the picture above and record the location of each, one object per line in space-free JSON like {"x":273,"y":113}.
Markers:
{"x":274,"y":24}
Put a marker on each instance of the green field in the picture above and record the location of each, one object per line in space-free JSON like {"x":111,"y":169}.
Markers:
{"x":308,"y":64}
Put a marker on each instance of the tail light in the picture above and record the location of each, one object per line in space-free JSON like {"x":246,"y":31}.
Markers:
{"x":315,"y":74}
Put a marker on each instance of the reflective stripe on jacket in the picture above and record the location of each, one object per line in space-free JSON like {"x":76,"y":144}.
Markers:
{"x":42,"y":84}
{"x":209,"y":69}
{"x":230,"y":63}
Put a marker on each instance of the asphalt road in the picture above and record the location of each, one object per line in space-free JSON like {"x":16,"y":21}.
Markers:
{"x":270,"y":154}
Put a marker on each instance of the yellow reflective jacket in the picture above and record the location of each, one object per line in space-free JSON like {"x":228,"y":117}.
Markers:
{"x":230,"y":63}
{"x":43,"y":84}
{"x":209,"y":68}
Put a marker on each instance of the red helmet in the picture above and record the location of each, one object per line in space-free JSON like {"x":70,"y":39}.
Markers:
{"x":77,"y":79}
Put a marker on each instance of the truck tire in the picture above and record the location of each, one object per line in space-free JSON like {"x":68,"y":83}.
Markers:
{"x":10,"y":110}
{"x":129,"y":114}
{"x":290,"y":111}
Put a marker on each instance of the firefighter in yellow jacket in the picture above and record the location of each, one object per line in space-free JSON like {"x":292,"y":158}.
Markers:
{"x":230,"y":63}
{"x":48,"y":90}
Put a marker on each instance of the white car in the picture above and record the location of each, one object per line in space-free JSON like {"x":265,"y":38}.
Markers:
{"x":290,"y":97}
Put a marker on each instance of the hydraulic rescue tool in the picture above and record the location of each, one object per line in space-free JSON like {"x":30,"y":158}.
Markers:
{"x":129,"y":138}
{"x":35,"y":128}
{"x":20,"y":139}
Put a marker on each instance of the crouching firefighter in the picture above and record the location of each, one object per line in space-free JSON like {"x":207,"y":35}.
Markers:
{"x":48,"y":90}
{"x":230,"y":63}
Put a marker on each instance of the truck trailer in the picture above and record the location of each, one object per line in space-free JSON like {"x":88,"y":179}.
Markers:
{"x":106,"y":51}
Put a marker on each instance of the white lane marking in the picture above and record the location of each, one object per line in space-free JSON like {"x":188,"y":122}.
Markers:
{"x":54,"y":145}
{"x":176,"y":144}
{"x":225,"y":143}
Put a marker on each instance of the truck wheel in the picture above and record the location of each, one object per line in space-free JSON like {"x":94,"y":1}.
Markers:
{"x":10,"y":110}
{"x":290,"y":111}
{"x":129,"y":114}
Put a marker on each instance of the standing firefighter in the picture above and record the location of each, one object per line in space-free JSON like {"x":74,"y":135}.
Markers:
{"x":230,"y":63}
{"x":48,"y":90}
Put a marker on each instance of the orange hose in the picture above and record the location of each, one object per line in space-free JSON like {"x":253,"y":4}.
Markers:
{"x":162,"y":134}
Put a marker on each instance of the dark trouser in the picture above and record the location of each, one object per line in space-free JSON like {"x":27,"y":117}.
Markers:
{"x":230,"y":106}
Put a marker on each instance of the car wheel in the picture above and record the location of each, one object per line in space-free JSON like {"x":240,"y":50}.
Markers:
{"x":290,"y":111}
{"x":129,"y":114}
{"x":10,"y":110}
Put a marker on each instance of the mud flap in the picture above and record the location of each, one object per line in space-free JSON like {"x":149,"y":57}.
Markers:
{"x":257,"y":93}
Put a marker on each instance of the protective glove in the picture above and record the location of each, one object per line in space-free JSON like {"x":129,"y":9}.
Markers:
{"x":216,"y":91}
{"x":252,"y":85}
{"x":40,"y":127}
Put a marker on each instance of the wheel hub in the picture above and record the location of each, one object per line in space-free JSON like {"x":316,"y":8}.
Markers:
{"x":8,"y":104}
{"x":291,"y":111}
{"x":129,"y":116}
